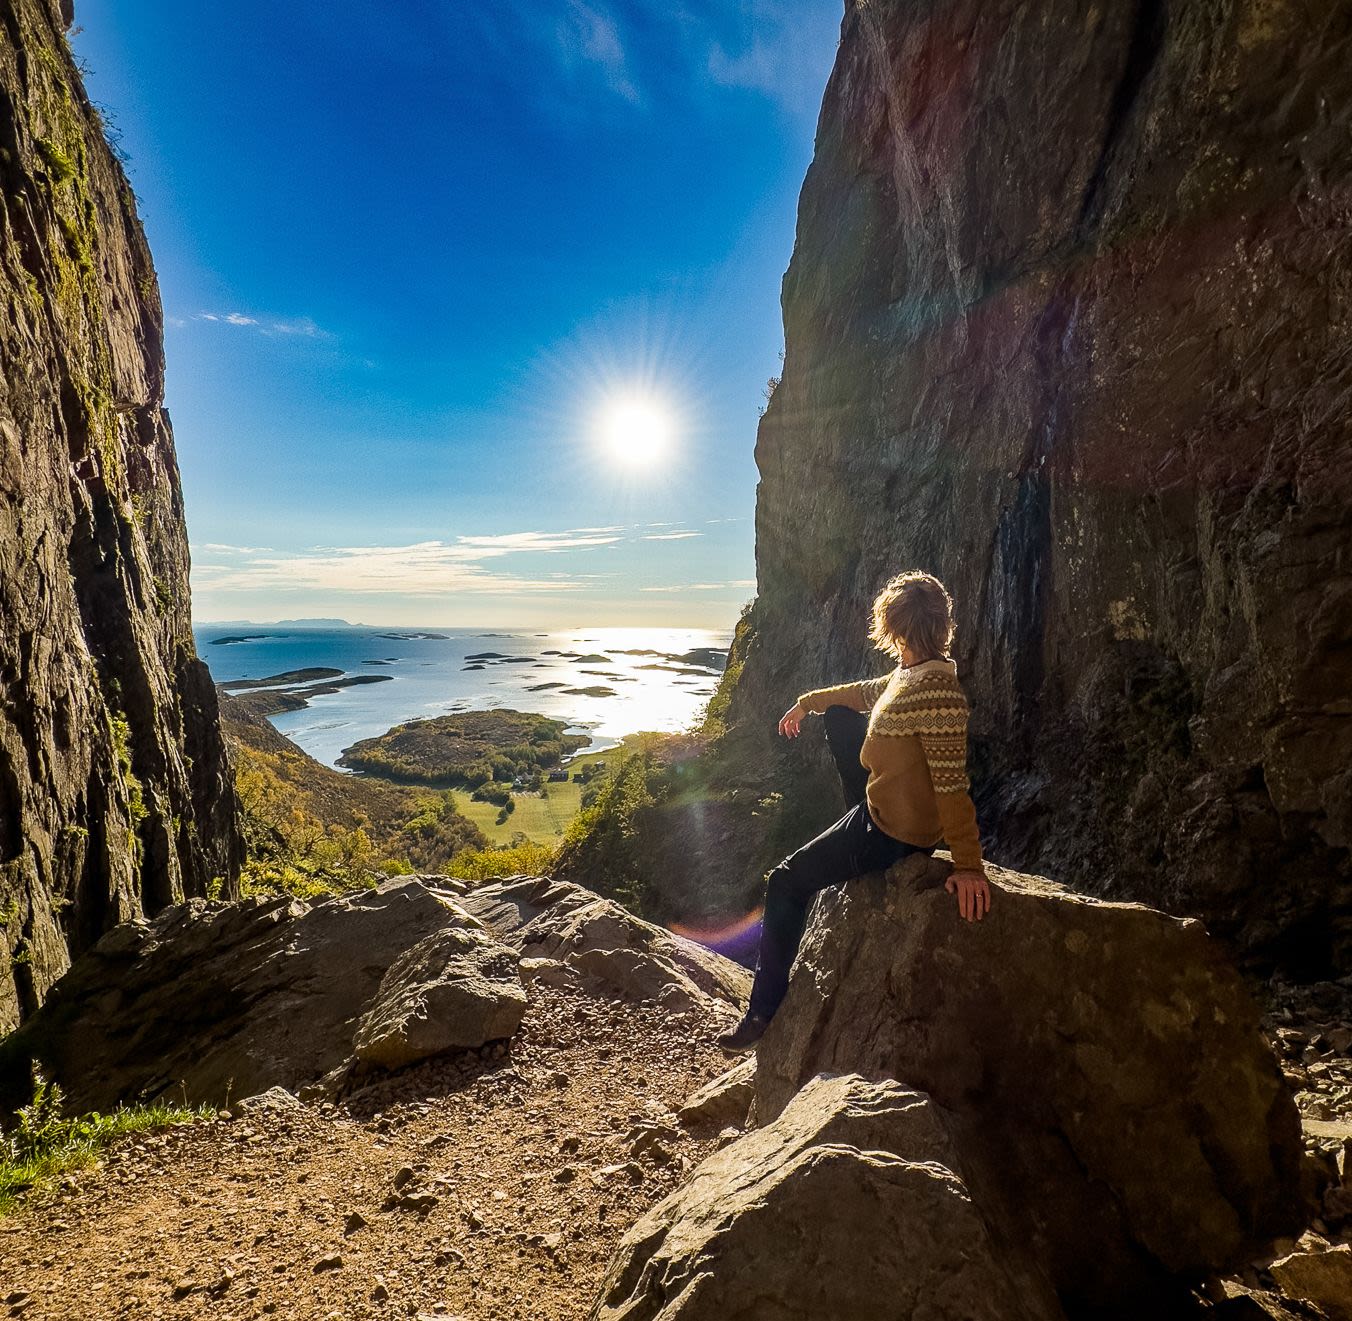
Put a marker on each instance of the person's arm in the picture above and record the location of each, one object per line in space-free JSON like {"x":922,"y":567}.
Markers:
{"x":944,"y":743}
{"x":858,"y":696}
{"x":943,"y":740}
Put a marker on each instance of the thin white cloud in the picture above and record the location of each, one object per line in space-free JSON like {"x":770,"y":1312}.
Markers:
{"x":425,"y":568}
{"x":300,"y":327}
{"x":429,"y":569}
{"x":647,"y":52}
{"x":507,"y":543}
{"x":464,"y":564}
{"x":589,"y":34}
{"x":702,"y":587}
{"x":780,"y":55}
{"x":670,"y":536}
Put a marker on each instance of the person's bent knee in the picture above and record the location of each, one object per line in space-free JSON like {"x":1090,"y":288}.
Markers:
{"x":778,"y":883}
{"x":838,"y":717}
{"x":789,"y":881}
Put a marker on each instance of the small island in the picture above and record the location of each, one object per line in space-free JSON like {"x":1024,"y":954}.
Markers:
{"x":292,"y":689}
{"x":467,"y":749}
{"x":284,"y":679}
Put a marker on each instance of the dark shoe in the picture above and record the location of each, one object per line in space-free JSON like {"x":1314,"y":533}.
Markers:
{"x":745,"y":1034}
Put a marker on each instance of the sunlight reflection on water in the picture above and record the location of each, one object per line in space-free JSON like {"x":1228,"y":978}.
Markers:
{"x":426,"y":676}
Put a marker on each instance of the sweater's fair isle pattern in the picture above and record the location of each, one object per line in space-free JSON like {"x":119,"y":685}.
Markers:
{"x":916,"y":754}
{"x":933,"y":708}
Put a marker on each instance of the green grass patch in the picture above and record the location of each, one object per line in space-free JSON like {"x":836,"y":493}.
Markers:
{"x":43,"y":1144}
{"x":544,"y":817}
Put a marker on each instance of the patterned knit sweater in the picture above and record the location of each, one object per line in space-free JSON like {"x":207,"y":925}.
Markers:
{"x":916,"y":754}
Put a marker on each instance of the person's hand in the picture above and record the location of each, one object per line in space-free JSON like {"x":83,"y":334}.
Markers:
{"x":973,"y":891}
{"x":792,"y":720}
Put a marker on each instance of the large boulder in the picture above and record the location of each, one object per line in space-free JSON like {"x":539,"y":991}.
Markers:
{"x":211,"y":1001}
{"x":607,"y":944}
{"x":1110,"y":1092}
{"x":850,"y":1204}
{"x":454,"y":989}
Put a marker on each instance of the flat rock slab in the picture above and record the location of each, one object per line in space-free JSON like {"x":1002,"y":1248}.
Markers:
{"x":847,"y":1206}
{"x":454,"y":989}
{"x":724,"y":1101}
{"x":1323,"y":1278}
{"x":1113,"y":1099}
{"x":211,"y":1001}
{"x":607,"y":944}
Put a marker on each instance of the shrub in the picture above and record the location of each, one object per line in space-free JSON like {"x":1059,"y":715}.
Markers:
{"x":291,"y":851}
{"x":524,"y":858}
{"x":605,"y":827}
{"x":42,"y":1144}
{"x":60,"y":167}
{"x":493,"y":792}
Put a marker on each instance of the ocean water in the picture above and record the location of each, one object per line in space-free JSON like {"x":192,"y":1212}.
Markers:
{"x":427,"y":676}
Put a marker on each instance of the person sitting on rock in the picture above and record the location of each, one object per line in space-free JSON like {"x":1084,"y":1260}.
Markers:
{"x":900,"y":744}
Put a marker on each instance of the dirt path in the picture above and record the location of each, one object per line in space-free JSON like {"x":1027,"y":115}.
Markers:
{"x":479,"y":1189}
{"x":514,"y":1179}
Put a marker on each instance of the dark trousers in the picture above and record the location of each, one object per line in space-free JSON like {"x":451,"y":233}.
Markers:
{"x":852,"y":847}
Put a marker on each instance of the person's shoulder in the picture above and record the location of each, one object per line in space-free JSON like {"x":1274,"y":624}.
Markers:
{"x":935,"y":680}
{"x":941,"y":672}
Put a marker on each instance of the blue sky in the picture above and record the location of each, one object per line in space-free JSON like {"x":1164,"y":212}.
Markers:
{"x":413,"y":257}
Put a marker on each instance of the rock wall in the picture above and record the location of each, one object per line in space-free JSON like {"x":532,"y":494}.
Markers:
{"x":1067,"y":323}
{"x":115,"y":796}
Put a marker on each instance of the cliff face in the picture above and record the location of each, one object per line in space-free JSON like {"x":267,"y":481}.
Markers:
{"x":115,"y":796}
{"x":1067,"y":323}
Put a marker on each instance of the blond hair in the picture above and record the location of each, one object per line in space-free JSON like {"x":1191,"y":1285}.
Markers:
{"x":914,"y":609}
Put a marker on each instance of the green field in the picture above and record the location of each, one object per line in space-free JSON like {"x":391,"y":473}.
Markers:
{"x":541,"y":817}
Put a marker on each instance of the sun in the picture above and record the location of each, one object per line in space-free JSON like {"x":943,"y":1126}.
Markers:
{"x":636,"y":430}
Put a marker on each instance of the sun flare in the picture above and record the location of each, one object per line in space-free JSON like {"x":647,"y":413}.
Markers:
{"x":636,"y":430}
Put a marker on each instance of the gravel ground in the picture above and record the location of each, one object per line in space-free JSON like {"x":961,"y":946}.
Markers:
{"x":485,"y":1189}
{"x":1310,"y":1028}
{"x":472,"y":1188}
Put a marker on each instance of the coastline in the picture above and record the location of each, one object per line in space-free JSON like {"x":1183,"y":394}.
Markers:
{"x":605,"y":683}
